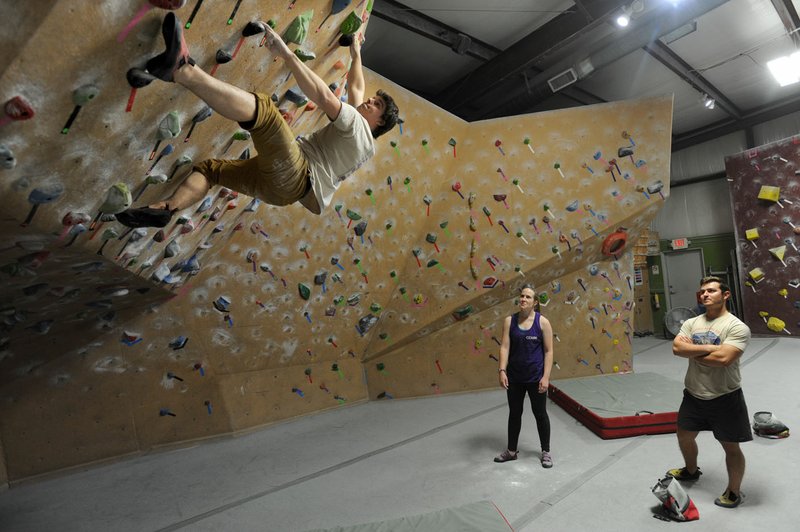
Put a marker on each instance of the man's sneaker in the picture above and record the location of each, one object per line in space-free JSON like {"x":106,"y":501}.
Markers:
{"x":145,"y":217}
{"x":505,"y":456}
{"x":683,"y":474}
{"x":547,"y":460}
{"x":164,"y":65}
{"x":729,"y":499}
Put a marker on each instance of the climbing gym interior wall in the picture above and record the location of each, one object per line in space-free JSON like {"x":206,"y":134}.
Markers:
{"x":240,"y":314}
{"x":765,"y":193}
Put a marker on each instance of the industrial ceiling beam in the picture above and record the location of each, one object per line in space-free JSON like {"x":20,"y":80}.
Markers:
{"x":649,"y":27}
{"x":788,"y":15}
{"x":564,"y":29}
{"x":412,"y":20}
{"x":749,"y":119}
{"x":664,"y":55}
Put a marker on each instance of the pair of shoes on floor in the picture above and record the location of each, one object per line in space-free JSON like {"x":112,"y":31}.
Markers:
{"x":547,"y":460}
{"x":506,"y":456}
{"x":682,"y":474}
{"x":145,"y":217}
{"x":164,"y":65}
{"x":729,"y":499}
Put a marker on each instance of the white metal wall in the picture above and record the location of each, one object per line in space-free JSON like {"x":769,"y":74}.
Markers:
{"x":704,"y":208}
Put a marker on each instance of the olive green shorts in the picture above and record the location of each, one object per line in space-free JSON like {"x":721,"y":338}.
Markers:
{"x":278,"y":175}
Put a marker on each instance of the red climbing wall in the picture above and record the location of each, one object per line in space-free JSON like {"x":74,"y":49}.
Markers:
{"x":767,"y":222}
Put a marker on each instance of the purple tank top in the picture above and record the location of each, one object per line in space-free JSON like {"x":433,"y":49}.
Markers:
{"x":526,"y":353}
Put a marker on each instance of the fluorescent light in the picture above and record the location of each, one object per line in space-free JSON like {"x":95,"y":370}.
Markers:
{"x":622,"y":21}
{"x":786,"y":70}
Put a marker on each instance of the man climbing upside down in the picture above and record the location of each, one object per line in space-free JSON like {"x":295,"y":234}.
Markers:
{"x":307,"y":169}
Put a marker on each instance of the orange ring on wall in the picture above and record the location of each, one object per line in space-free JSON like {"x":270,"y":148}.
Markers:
{"x":615,"y":243}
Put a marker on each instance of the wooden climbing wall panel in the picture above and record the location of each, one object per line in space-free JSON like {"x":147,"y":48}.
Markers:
{"x":270,"y":313}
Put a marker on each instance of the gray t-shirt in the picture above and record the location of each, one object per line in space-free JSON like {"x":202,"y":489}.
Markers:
{"x":706,"y":382}
{"x":337,"y":150}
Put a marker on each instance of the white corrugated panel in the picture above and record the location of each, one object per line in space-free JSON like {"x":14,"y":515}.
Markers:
{"x":706,"y":158}
{"x":778,"y":129}
{"x":699,"y":209}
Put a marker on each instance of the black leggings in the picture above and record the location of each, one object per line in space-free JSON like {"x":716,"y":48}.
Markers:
{"x":516,"y":400}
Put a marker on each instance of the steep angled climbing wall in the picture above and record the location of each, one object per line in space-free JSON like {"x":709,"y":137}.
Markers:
{"x":269,"y":313}
{"x":765,"y":196}
{"x":531,"y":199}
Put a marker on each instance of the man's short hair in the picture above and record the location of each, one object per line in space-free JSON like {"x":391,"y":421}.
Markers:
{"x":715,"y":279}
{"x":390,"y":116}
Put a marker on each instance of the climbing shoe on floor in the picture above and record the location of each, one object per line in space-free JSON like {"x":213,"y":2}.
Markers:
{"x":505,"y":456}
{"x":729,"y":499}
{"x":145,"y":217}
{"x":547,"y":460}
{"x":164,"y":65}
{"x":682,"y":474}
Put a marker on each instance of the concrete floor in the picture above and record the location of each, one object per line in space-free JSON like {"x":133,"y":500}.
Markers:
{"x":389,"y":459}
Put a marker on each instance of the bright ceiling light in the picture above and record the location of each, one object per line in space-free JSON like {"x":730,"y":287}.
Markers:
{"x":785,"y":70}
{"x":708,"y":101}
{"x":623,"y":21}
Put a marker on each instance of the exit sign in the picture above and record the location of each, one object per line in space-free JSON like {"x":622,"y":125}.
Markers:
{"x":680,"y":243}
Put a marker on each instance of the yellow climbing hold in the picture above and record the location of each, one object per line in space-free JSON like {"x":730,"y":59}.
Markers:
{"x":769,"y":193}
{"x":751,"y":234}
{"x":778,"y":253}
{"x":777,"y":325}
{"x":783,"y":292}
{"x":756,"y":274}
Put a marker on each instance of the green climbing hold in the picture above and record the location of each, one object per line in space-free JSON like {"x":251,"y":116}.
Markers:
{"x":351,"y":24}
{"x":298,"y":29}
{"x":305,"y":292}
{"x":305,"y":55}
{"x":375,"y":307}
{"x":461,"y":313}
{"x":353,"y":215}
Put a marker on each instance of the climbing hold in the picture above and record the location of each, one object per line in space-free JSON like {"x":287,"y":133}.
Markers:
{"x":351,"y":24}
{"x":7,"y":159}
{"x":42,"y":196}
{"x":17,"y":109}
{"x":305,"y":292}
{"x":222,"y":304}
{"x":80,"y":97}
{"x":298,"y":28}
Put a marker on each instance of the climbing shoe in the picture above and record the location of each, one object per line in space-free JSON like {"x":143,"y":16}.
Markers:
{"x":506,"y":456}
{"x":164,"y":65}
{"x":145,"y":217}
{"x":729,"y":499}
{"x":683,"y":474}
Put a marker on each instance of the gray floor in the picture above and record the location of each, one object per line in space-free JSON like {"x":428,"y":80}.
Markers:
{"x":389,"y":459}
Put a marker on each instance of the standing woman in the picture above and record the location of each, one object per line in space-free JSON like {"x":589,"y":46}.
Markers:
{"x":526,"y":357}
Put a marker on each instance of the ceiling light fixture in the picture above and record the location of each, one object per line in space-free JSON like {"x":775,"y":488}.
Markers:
{"x":786,"y":69}
{"x":708,"y":101}
{"x":637,"y":6}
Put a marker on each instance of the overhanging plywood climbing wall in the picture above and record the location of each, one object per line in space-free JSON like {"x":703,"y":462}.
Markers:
{"x":241,"y":314}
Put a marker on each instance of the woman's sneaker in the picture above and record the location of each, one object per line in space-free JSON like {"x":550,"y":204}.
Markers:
{"x":505,"y":456}
{"x":547,"y":460}
{"x":681,"y":473}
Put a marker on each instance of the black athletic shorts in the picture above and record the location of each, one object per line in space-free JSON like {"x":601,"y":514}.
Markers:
{"x":725,"y":415}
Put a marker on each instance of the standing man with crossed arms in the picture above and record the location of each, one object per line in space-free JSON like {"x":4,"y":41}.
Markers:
{"x":713,"y":400}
